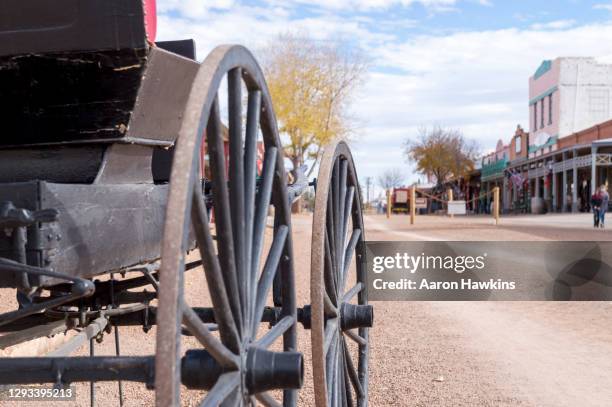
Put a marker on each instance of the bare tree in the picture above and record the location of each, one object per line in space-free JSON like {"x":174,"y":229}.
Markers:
{"x":391,"y":178}
{"x":442,"y":153}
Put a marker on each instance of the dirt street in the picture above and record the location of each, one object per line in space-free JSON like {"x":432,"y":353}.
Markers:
{"x":447,"y":354}
{"x":490,"y":354}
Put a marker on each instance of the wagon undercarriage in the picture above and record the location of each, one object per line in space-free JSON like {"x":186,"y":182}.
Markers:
{"x":104,"y":172}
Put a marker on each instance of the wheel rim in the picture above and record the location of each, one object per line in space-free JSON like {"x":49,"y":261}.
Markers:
{"x":238,"y":291}
{"x":337,"y":240}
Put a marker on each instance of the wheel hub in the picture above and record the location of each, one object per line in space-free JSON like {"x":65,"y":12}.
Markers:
{"x":265,"y":370}
{"x":356,"y":316}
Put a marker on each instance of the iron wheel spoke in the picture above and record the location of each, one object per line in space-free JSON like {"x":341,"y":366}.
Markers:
{"x":223,"y":219}
{"x":269,"y":272}
{"x":338,"y":252}
{"x":329,"y":272}
{"x":330,"y":231}
{"x":330,"y":371}
{"x":217,"y":350}
{"x":341,"y":205}
{"x":331,"y":330}
{"x":356,"y":337}
{"x":348,"y":256}
{"x":250,"y":174}
{"x":236,"y":184}
{"x":337,"y":381}
{"x":348,"y":205}
{"x":261,"y":212}
{"x":343,"y":388}
{"x":273,"y":334}
{"x":352,"y":373}
{"x":352,"y":292}
{"x":329,"y":308}
{"x":213,"y":273}
{"x":347,"y":382}
{"x":223,"y":388}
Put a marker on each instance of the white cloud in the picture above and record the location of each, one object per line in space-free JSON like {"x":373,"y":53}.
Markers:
{"x":476,"y":81}
{"x":603,"y":6}
{"x":194,"y":8}
{"x":554,"y":25}
{"x":256,"y":26}
{"x":366,"y":4}
{"x":198,"y":8}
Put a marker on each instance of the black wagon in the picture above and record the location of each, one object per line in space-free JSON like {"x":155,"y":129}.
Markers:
{"x":104,"y":210}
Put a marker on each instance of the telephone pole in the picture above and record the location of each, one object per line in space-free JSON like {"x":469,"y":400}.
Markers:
{"x":368,"y":181}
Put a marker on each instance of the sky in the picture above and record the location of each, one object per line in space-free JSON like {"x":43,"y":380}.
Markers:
{"x":462,"y":64}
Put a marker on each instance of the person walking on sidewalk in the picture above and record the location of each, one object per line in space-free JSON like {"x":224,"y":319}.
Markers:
{"x":596,"y":205}
{"x":605,"y":198}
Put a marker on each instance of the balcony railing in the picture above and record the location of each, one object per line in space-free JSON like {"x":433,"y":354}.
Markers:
{"x":583,"y":161}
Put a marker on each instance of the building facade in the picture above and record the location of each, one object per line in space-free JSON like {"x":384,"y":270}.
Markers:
{"x":494,"y":170}
{"x":566,"y":95}
{"x":567,"y":154}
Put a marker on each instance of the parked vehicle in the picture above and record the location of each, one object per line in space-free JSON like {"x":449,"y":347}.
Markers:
{"x":107,"y":136}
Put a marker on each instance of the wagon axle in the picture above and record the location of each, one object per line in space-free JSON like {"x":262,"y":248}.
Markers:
{"x":352,"y":316}
{"x":265,"y":370}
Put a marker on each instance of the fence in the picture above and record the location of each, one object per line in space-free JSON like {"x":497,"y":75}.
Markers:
{"x":414,"y":190}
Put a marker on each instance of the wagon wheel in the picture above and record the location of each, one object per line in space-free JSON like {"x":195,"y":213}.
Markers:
{"x":336,"y":282}
{"x":236,"y":366}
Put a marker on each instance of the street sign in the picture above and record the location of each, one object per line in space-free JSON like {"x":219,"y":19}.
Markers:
{"x":456,"y":208}
{"x":420,"y":203}
{"x":401,"y":196}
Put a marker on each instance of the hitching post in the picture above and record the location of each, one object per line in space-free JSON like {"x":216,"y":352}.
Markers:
{"x":412,"y":204}
{"x":450,"y":199}
{"x":388,"y":203}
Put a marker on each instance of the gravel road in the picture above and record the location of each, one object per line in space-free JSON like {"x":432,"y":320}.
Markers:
{"x":490,"y":353}
{"x":442,"y":354}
